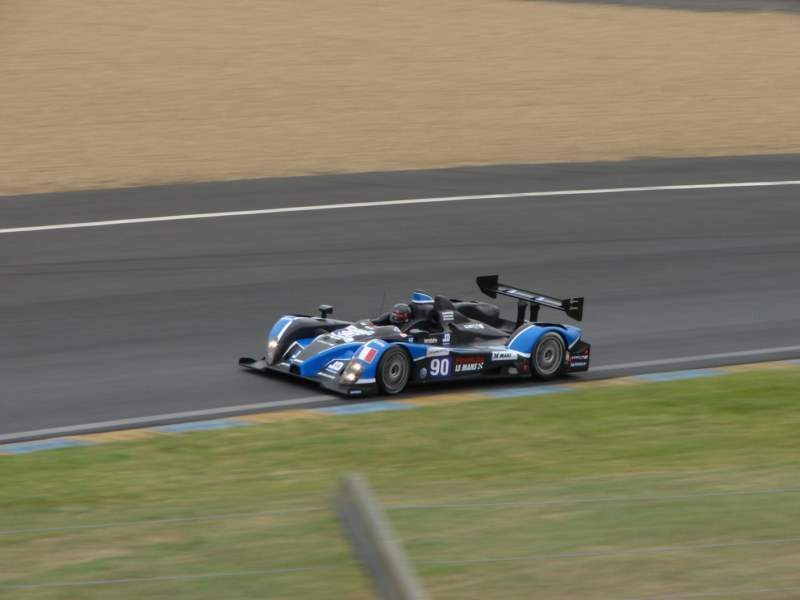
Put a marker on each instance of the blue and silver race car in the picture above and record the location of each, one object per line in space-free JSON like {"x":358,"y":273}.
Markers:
{"x":444,"y":339}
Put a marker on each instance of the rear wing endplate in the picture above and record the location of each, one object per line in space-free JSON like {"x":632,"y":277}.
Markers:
{"x":490,"y":285}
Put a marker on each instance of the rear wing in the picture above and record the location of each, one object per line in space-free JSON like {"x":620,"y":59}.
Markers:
{"x":490,"y":286}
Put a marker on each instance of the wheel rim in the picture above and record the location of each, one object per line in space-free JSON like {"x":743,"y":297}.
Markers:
{"x":394,"y":373}
{"x":549,"y":356}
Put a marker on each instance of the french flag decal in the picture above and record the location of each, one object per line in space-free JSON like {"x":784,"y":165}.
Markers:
{"x":367,"y":354}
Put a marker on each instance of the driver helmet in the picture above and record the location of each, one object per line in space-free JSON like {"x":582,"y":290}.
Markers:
{"x":400,"y":314}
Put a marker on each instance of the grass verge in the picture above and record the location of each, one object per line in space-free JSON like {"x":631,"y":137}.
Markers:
{"x":490,"y":498}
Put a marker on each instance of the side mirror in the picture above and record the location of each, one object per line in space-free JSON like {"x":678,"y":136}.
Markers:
{"x":325,"y":310}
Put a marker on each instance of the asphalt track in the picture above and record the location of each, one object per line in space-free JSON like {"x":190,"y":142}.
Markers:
{"x":128,"y":322}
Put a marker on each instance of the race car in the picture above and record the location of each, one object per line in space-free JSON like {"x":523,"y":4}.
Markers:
{"x":444,"y":339}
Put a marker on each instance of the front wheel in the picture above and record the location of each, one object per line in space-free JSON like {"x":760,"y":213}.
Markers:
{"x":394,"y":370}
{"x":547,"y":357}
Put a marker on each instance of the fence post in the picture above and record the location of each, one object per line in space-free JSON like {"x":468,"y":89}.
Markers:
{"x":374,"y":541}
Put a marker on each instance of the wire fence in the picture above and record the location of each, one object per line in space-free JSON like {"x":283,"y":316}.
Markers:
{"x":166,"y":578}
{"x":399,"y":507}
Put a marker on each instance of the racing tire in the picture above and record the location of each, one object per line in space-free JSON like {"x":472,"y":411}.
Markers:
{"x":394,"y":371}
{"x":547,"y":357}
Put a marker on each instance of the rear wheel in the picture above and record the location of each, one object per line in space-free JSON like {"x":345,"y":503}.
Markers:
{"x":547,"y":357}
{"x":394,"y":370}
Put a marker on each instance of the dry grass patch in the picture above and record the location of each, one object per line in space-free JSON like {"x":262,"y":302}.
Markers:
{"x":103,"y":94}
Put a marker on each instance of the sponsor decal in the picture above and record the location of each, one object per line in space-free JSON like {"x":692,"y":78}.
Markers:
{"x":446,"y":338}
{"x":584,"y":356}
{"x":430,"y":352}
{"x":468,"y":360}
{"x":423,"y":373}
{"x":367,"y":354}
{"x":335,"y":366}
{"x":473,"y":326}
{"x":429,"y":340}
{"x":350,"y":333}
{"x":579,"y":360}
{"x":448,"y":315}
{"x":354,"y":392}
{"x":504,"y":355}
{"x":469,"y":364}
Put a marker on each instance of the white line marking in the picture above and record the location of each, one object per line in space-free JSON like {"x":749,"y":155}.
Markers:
{"x":671,"y":361}
{"x":292,"y":209}
{"x":231,"y":411}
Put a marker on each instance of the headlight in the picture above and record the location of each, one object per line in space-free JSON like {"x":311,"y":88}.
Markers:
{"x":272,"y":347}
{"x":352,"y":371}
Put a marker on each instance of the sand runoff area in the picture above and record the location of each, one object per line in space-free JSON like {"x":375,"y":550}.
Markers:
{"x":98,"y":94}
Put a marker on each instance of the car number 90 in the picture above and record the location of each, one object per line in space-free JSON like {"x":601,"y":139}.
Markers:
{"x":440,"y":367}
